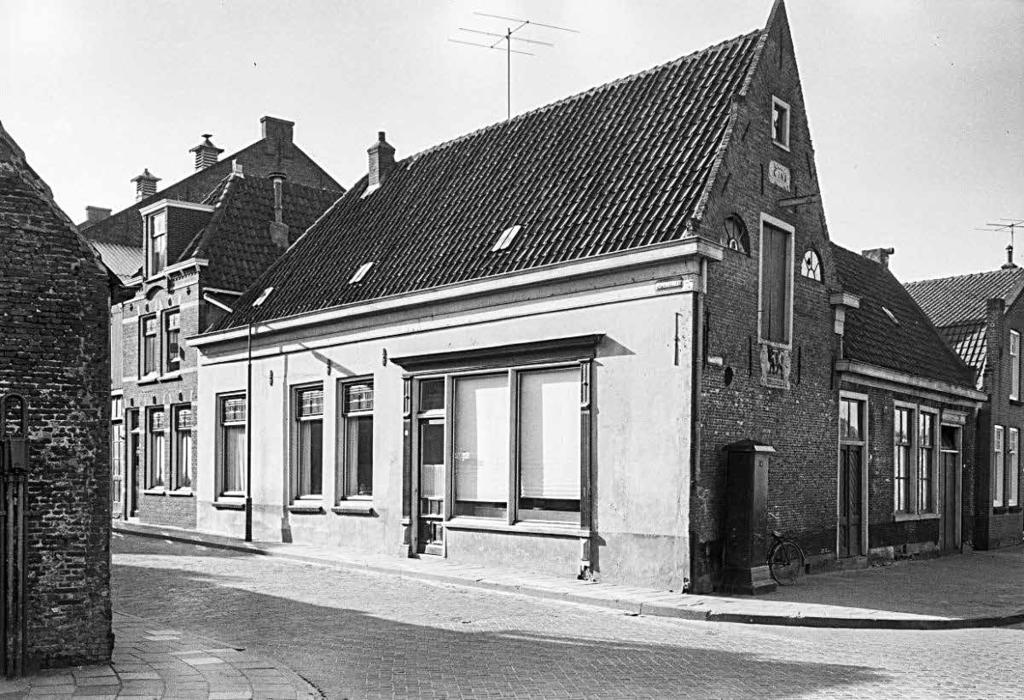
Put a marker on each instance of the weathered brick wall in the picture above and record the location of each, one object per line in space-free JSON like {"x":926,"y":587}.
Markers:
{"x":54,"y":350}
{"x":799,"y":422}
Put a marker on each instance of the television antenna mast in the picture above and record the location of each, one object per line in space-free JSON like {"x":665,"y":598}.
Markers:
{"x":508,"y":38}
{"x":1002,"y":226}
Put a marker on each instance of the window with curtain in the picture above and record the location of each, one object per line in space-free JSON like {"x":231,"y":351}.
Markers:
{"x":172,"y":329}
{"x":182,"y":448}
{"x":149,"y":345}
{"x":309,"y":442}
{"x":776,"y":268}
{"x":358,"y":437}
{"x":549,"y":444}
{"x":156,"y":454}
{"x":232,"y":445}
{"x":481,"y":445}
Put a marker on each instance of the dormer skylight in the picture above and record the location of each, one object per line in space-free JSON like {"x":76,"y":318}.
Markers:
{"x":505,"y":239}
{"x":891,"y":315}
{"x":361,"y":273}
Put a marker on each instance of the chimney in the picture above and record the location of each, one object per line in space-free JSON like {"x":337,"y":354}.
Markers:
{"x":879,"y":255}
{"x":280,"y":130}
{"x":206,"y":153}
{"x":145,"y":184}
{"x":1009,"y":264}
{"x":94,"y":214}
{"x":278,"y":228}
{"x":382,"y":160}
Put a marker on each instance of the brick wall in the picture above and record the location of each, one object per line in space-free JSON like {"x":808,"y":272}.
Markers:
{"x":799,"y":422}
{"x":54,"y":350}
{"x":998,"y":526}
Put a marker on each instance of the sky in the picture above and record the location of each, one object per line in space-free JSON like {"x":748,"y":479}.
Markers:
{"x":916,"y":107}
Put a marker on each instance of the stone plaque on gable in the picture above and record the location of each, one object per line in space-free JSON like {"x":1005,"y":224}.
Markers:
{"x":778,"y":175}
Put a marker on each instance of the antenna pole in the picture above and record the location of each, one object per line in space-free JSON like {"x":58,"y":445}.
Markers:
{"x":508,"y":71}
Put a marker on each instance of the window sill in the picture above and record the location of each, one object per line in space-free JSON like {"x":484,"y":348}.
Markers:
{"x":783,"y":146}
{"x":226,"y":504}
{"x":148,"y":379}
{"x":903,"y":517}
{"x":181,"y":493}
{"x":157,"y":491}
{"x":170,"y":376}
{"x":306,"y":507}
{"x":354,"y":507}
{"x":526,"y":528}
{"x":1003,"y":510}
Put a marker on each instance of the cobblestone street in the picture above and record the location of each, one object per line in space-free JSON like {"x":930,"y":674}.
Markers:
{"x":359,"y":634}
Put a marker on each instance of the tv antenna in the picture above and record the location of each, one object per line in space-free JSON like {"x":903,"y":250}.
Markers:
{"x":1002,"y":226}
{"x":508,"y":38}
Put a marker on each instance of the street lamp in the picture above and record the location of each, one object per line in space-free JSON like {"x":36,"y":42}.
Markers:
{"x":248,"y":416}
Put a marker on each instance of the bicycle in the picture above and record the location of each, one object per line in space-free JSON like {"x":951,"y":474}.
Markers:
{"x":786,"y":561}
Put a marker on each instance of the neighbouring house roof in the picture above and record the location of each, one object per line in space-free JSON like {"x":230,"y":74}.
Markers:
{"x":125,"y":261}
{"x":953,"y":300}
{"x":889,"y":329}
{"x":236,"y":241}
{"x":616,"y":168}
{"x":969,"y":341}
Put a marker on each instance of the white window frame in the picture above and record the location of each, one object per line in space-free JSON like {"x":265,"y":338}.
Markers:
{"x":914,"y":511}
{"x":152,"y":235}
{"x":789,"y":229}
{"x":178,"y":468}
{"x":296,"y":437}
{"x":998,"y":465}
{"x":864,"y":443}
{"x":814,"y":273}
{"x":776,"y":102}
{"x":341,"y":452}
{"x":166,"y":349}
{"x":1014,"y":352}
{"x":149,"y":361}
{"x":156,"y":465}
{"x":221,"y":426}
{"x":1011,"y":492}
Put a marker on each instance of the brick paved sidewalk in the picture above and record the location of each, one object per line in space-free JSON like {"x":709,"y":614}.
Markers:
{"x":164,"y":663}
{"x":980,"y":589}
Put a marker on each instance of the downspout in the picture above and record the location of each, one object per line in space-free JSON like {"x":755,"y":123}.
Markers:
{"x":696,"y":390}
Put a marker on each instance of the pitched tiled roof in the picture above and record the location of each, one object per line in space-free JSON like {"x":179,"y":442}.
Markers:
{"x":124,"y":260}
{"x":125,"y":226}
{"x":969,"y":342}
{"x":237,"y":241}
{"x":616,"y":168}
{"x":952,"y":300}
{"x":906,"y":340}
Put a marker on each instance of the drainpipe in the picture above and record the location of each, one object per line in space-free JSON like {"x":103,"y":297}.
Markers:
{"x":248,"y":416}
{"x":695,"y":396}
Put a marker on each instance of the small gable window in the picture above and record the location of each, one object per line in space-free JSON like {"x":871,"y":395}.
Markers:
{"x":780,"y":123}
{"x":506,"y":238}
{"x":361,"y":273}
{"x":157,"y":242}
{"x":736,"y":237}
{"x":811,"y":265}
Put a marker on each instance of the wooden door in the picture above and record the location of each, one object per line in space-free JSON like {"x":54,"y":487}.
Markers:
{"x":850,"y":501}
{"x":950,"y":513}
{"x":134,"y":462}
{"x":430,"y":515}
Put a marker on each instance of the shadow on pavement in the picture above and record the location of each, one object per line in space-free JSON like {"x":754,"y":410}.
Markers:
{"x":348,"y":652}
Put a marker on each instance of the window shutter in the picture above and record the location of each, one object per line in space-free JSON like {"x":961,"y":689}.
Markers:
{"x":775,"y":284}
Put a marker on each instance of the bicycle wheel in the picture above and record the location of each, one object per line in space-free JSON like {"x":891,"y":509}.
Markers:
{"x":786,"y":563}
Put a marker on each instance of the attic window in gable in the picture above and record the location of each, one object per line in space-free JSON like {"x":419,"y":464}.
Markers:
{"x":891,"y":315}
{"x":811,"y":265}
{"x":361,"y":273}
{"x":736,"y":236}
{"x":780,"y":123}
{"x":505,"y":239}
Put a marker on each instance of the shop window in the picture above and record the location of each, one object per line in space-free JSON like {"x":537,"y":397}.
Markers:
{"x":231,"y":445}
{"x":308,"y":450}
{"x":357,"y":439}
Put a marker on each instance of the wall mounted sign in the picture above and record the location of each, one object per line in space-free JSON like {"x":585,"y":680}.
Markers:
{"x":778,"y":175}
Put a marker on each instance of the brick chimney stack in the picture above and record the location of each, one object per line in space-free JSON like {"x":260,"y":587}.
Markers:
{"x":278,"y":228}
{"x":94,"y":214}
{"x":206,"y":153}
{"x":879,"y":255}
{"x":382,"y":160}
{"x":145,"y":185}
{"x":1009,"y":264}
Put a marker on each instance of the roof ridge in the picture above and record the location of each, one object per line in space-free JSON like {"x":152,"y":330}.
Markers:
{"x":579,"y":95}
{"x":964,"y":276}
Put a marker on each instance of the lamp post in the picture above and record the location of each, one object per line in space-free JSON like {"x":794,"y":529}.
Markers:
{"x":248,"y":416}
